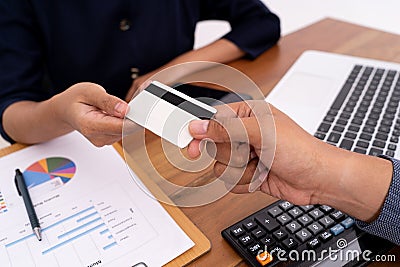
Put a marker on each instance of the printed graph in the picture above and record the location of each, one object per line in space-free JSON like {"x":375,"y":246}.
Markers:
{"x":82,"y":232}
{"x":48,"y":169}
{"x":87,"y":221}
{"x":78,"y":232}
{"x":3,"y":205}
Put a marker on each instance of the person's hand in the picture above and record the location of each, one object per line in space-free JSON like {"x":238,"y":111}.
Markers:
{"x":88,"y":108}
{"x":257,"y":140}
{"x":257,"y":133}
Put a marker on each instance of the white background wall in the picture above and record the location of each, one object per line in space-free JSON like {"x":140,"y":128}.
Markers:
{"x":3,"y":143}
{"x":296,"y":14}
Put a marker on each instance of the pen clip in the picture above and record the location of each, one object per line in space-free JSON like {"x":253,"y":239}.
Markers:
{"x":17,"y":186}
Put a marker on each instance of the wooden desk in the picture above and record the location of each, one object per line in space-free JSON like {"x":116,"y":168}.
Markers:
{"x":327,"y":35}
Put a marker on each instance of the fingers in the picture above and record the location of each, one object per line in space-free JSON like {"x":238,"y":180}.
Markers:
{"x":98,"y":123}
{"x":243,"y":189}
{"x":236,"y":175}
{"x":239,"y":180}
{"x":244,"y":125}
{"x":236,"y":122}
{"x":103,"y":140}
{"x":96,"y":96}
{"x":233,"y":154}
{"x":227,"y":130}
{"x":88,"y":108}
{"x":199,"y":128}
{"x":194,"y":149}
{"x":100,"y":129}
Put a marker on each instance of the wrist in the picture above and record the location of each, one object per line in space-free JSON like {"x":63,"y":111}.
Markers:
{"x":59,"y":112}
{"x":356,"y":184}
{"x":328,"y":173}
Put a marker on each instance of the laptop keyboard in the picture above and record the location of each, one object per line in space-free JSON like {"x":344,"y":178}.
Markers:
{"x":364,"y":116}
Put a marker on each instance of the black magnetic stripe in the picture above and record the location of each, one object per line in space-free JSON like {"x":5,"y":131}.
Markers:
{"x":178,"y":101}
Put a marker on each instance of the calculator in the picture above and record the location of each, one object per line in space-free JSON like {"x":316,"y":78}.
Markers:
{"x":283,"y":234}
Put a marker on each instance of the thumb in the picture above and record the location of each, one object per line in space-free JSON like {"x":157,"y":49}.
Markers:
{"x":227,"y":130}
{"x":97,"y":96}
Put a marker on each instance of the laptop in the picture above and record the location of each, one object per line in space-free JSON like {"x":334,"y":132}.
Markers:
{"x":347,"y":101}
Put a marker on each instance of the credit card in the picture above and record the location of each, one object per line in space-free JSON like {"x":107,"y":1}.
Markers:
{"x":167,"y":112}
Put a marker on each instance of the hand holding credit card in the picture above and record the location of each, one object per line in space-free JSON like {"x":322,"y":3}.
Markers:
{"x":167,"y":112}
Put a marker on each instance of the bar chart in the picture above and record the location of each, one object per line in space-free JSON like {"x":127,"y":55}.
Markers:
{"x":81,"y":234}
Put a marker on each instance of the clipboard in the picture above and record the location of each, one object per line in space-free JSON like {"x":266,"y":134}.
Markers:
{"x":202,"y":244}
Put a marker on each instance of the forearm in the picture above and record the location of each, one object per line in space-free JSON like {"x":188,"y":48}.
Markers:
{"x":221,"y":51}
{"x":357,"y":184}
{"x":33,"y":122}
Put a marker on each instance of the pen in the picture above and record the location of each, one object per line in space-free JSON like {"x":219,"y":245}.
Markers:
{"x":23,"y":191}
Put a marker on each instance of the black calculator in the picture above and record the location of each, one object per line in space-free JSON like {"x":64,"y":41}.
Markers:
{"x":284,"y":234}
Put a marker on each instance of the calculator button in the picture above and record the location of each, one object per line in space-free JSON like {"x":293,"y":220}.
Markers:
{"x":303,"y":235}
{"x":390,"y":153}
{"x":314,"y":243}
{"x":326,"y":208}
{"x":283,"y":219}
{"x":337,"y":215}
{"x":267,"y":241}
{"x":255,"y":249}
{"x":325,"y":236}
{"x":347,"y":223}
{"x":295,"y":212}
{"x":237,"y":231}
{"x":337,"y":229}
{"x":289,"y":243}
{"x":307,"y":208}
{"x":280,"y":234}
{"x":305,"y":220}
{"x":315,"y":228}
{"x":327,"y":221}
{"x":267,"y":222}
{"x":264,"y":258}
{"x":293,"y":227}
{"x":249,"y":225}
{"x":258,"y":233}
{"x":246,"y":240}
{"x":316,"y":214}
{"x":275,"y":211}
{"x":286,"y":205}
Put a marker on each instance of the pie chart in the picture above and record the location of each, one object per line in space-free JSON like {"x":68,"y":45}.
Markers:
{"x":46,"y":169}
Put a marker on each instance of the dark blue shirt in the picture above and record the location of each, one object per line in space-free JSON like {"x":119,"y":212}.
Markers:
{"x":46,"y":46}
{"x":387,"y":224}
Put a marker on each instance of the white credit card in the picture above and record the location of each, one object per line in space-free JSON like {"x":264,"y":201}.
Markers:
{"x":167,"y":112}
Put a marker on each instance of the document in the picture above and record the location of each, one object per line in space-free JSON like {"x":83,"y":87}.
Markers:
{"x":91,"y":211}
